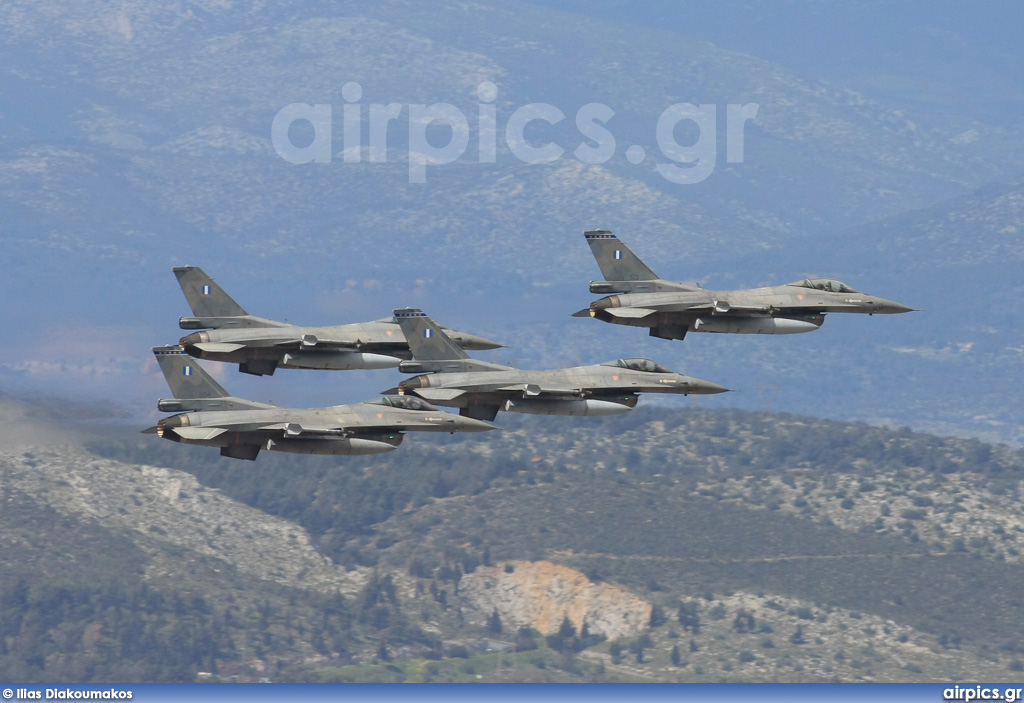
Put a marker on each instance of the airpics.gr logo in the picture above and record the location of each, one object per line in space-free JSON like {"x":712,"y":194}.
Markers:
{"x":980,"y":693}
{"x":597,"y":145}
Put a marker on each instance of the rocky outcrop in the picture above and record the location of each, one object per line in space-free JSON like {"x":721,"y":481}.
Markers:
{"x":541,"y":594}
{"x":165,"y":507}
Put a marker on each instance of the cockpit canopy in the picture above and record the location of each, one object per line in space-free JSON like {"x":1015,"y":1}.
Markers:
{"x":638,"y":364}
{"x":405,"y":402}
{"x":829,"y":285}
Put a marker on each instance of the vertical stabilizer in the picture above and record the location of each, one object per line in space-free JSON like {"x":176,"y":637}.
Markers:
{"x":427,"y":341}
{"x":204,"y":296}
{"x":186,"y":378}
{"x":617,"y":261}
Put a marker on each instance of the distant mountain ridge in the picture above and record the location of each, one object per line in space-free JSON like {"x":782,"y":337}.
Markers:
{"x":136,"y":138}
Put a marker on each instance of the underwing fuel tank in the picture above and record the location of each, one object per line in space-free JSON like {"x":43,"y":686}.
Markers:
{"x":571,"y":406}
{"x":350,"y":446}
{"x":338,"y":361}
{"x":757,"y":325}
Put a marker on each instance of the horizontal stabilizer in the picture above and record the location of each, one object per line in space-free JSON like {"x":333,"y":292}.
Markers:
{"x":631,"y":313}
{"x":199,"y":433}
{"x":439,"y":393}
{"x":218,"y":347}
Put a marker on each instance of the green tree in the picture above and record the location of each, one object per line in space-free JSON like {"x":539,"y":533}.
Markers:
{"x":744,"y":622}
{"x":494,"y":623}
{"x":658,"y":617}
{"x":615,"y":651}
{"x":688,"y":617}
{"x":526,"y":639}
{"x":566,"y":630}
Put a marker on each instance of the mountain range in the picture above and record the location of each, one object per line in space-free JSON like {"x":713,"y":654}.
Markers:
{"x":138,"y":137}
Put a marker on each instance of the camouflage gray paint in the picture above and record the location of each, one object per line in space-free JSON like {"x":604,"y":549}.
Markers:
{"x":260,"y":346}
{"x":671,"y":309}
{"x":208,"y":415}
{"x":480,"y":389}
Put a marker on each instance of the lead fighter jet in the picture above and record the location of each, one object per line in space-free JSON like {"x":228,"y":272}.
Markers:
{"x":670,"y":309}
{"x":480,"y":389}
{"x":260,"y":346}
{"x":208,"y":415}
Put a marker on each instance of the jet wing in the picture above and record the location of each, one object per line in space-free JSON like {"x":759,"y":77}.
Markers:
{"x":294,"y":429}
{"x":310,"y":341}
{"x":713,"y":308}
{"x":430,"y":393}
{"x":720,"y":307}
{"x":306,"y":341}
{"x":533,"y":390}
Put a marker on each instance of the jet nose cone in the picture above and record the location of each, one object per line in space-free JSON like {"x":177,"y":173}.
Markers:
{"x":890,"y":307}
{"x":473,"y":342}
{"x":701,"y":387}
{"x":468,"y":424}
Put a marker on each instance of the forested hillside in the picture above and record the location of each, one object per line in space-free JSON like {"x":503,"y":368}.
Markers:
{"x":811,"y":525}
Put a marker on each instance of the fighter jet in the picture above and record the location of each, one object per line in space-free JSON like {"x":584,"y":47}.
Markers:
{"x":670,"y":309}
{"x":260,"y":346}
{"x":208,"y":415}
{"x":480,"y":389}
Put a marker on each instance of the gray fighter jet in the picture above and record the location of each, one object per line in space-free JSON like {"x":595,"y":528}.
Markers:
{"x":670,"y":309}
{"x":208,"y":415}
{"x":480,"y":389}
{"x":260,"y":346}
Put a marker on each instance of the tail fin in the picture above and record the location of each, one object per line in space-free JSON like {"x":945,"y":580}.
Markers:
{"x":204,"y":296}
{"x":427,"y":341}
{"x":616,"y":260}
{"x":186,"y":378}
